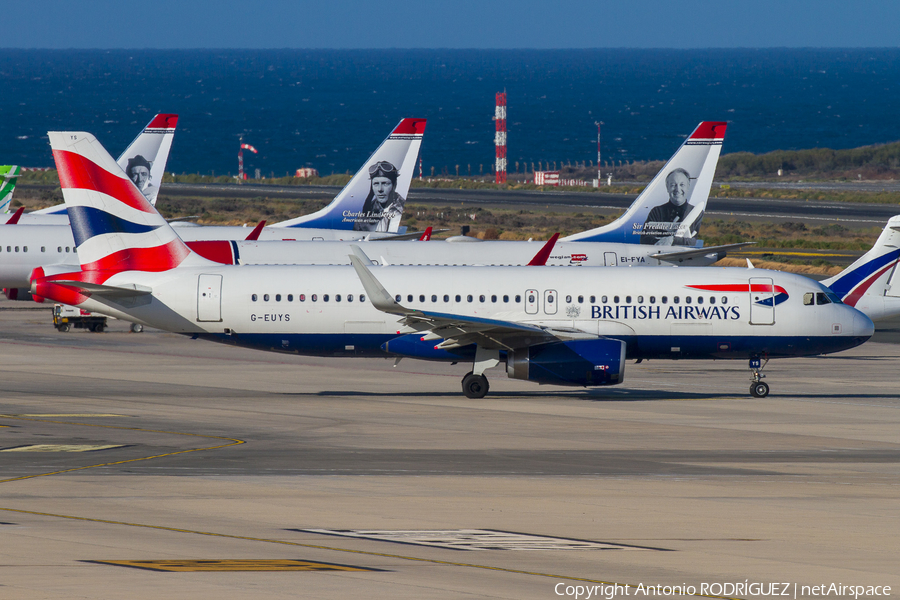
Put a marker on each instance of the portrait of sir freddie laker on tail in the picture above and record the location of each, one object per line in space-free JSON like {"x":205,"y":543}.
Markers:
{"x":383,"y":204}
{"x":677,"y":221}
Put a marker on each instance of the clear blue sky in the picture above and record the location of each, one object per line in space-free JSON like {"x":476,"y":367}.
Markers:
{"x":450,"y":24}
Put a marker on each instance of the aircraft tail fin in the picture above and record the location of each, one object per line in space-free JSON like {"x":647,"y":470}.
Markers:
{"x":872,"y":283}
{"x":115,"y":227}
{"x":375,"y":197}
{"x":670,"y":209}
{"x":148,"y":154}
{"x":8,"y":176}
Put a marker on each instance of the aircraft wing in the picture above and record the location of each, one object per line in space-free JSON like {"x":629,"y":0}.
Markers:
{"x":107,"y":291}
{"x":400,"y":237}
{"x":457,"y":330}
{"x":695,"y":252}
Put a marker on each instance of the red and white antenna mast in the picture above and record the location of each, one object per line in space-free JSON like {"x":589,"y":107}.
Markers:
{"x":241,"y":176}
{"x":500,"y":137}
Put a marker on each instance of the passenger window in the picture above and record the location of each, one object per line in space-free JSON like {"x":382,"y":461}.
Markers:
{"x":808,"y":299}
{"x":627,"y":299}
{"x":25,"y":249}
{"x":481,"y":298}
{"x":616,"y":299}
{"x":59,"y":249}
{"x":724,"y":299}
{"x":67,"y":248}
{"x":821,"y":298}
{"x":505,"y":297}
{"x":362,"y":297}
{"x":314,"y":297}
{"x":409,"y":297}
{"x":687,"y":299}
{"x":652,"y":299}
{"x":593,"y":299}
{"x":277,"y":297}
{"x":712,"y":299}
{"x":337,"y":297}
{"x":518,"y":298}
{"x":469,"y":297}
{"x":446,"y":298}
{"x":434,"y":297}
{"x":493,"y":298}
{"x":265,"y":297}
{"x":397,"y":298}
{"x":253,"y":297}
{"x":421,"y":297}
{"x":349,"y":297}
{"x":676,"y":299}
{"x":604,"y":299}
{"x":664,"y":300}
{"x":43,"y":248}
{"x":640,"y":299}
{"x":302,"y":297}
{"x":458,"y":298}
{"x":550,"y":299}
{"x":324,"y":297}
{"x":290,"y":297}
{"x":17,"y":248}
{"x":699,"y":299}
{"x":568,"y":299}
{"x":580,"y":299}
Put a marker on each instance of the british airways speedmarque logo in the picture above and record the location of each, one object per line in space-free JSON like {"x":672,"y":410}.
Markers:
{"x":763,"y":294}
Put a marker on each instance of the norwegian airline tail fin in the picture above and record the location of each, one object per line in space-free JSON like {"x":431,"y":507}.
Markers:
{"x":144,"y":161}
{"x":670,"y":209}
{"x":115,"y":227}
{"x":375,"y":197}
{"x":872,"y":283}
{"x":8,"y":176}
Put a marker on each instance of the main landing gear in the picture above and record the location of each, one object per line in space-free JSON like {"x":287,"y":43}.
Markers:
{"x":475,"y":385}
{"x":758,"y":389}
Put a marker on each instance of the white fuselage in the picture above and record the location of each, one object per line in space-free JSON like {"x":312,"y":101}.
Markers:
{"x":319,"y":310}
{"x":23,"y":249}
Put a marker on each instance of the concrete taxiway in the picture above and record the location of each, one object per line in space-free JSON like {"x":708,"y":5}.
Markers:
{"x":117,"y":448}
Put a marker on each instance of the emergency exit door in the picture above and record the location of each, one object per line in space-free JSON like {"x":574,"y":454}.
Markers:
{"x":209,"y":298}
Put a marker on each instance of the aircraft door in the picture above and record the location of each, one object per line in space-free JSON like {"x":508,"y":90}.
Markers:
{"x":550,"y":302}
{"x":609,"y":259}
{"x":762,"y":301}
{"x":531,"y":302}
{"x":209,"y":298}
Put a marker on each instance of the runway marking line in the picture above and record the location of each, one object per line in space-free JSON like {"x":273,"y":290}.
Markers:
{"x":65,"y":415}
{"x":235,"y":442}
{"x":183,"y":566}
{"x":62,"y":447}
{"x":231,"y":442}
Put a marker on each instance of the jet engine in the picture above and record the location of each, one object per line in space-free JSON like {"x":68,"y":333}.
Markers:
{"x":578,"y":362}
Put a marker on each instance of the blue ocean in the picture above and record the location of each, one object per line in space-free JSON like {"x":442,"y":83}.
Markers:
{"x":329,"y":109}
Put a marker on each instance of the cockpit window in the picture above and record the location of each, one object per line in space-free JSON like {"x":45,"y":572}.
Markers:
{"x":833,"y":297}
{"x":822,"y":298}
{"x":809,"y":299}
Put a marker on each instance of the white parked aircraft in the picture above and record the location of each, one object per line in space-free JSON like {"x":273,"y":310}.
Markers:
{"x":555,"y":326}
{"x":698,"y":155}
{"x":144,"y":161}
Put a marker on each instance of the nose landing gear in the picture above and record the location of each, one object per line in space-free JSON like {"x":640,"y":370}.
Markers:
{"x":758,"y":389}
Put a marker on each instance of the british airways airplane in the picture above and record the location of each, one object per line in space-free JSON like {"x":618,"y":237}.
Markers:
{"x":552,"y":326}
{"x":144,"y":161}
{"x":625,"y":242}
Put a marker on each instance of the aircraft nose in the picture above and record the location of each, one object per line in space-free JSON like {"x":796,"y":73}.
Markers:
{"x":862,"y":325}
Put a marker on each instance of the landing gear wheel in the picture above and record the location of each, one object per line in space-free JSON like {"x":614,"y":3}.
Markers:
{"x":64,"y":328}
{"x":136,"y":328}
{"x":475,"y":386}
{"x":759,"y":389}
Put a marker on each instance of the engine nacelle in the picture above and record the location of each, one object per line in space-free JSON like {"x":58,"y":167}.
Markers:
{"x":21,"y":294}
{"x":579,"y":362}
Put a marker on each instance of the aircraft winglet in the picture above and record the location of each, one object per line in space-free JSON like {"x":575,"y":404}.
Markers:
{"x":254,"y":235}
{"x":540,"y":259}
{"x":15,"y":218}
{"x":426,"y":236}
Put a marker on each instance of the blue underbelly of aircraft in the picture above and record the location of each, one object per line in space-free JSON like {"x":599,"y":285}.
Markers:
{"x":646,"y":347}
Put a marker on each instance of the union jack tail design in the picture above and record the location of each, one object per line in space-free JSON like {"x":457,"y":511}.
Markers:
{"x":249,"y":147}
{"x":115,"y":227}
{"x":874,"y":274}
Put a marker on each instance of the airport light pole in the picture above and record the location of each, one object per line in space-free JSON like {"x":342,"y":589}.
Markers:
{"x":599,"y":173}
